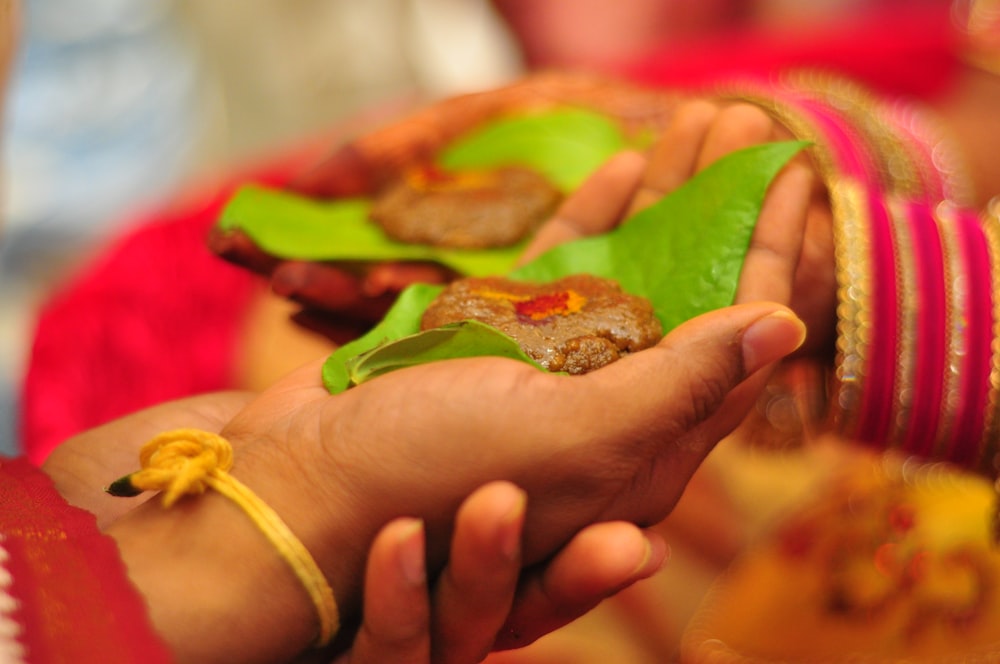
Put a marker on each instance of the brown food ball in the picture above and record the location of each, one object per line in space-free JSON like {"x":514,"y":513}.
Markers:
{"x":466,"y":209}
{"x":575,"y":324}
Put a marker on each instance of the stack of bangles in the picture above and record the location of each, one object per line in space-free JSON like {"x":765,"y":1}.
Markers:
{"x":918,"y":273}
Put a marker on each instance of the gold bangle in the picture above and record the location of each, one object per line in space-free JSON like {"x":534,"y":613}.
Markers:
{"x":854,"y":302}
{"x":189,"y":461}
{"x":991,"y":433}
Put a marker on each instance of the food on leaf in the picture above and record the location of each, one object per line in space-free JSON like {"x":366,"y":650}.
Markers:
{"x":574,"y":325}
{"x":467,"y":209}
{"x":684,"y":254}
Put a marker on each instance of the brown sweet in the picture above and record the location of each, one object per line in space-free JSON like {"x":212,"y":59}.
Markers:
{"x":575,"y":325}
{"x":466,"y":209}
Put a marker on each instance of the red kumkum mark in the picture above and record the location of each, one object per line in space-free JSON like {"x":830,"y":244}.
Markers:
{"x":540,"y":307}
{"x":431,"y":177}
{"x":550,"y":304}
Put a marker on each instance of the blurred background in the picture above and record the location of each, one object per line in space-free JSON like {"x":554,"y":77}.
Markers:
{"x":117,"y":106}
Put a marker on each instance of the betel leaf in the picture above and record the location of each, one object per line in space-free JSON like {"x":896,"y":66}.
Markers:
{"x":684,"y":254}
{"x":291,"y":226}
{"x":468,"y":338}
{"x":565,"y":145}
{"x":402,"y":319}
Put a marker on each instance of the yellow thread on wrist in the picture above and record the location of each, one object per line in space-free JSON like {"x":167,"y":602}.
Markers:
{"x":189,"y":461}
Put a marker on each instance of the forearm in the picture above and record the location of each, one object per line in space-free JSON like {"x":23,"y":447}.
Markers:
{"x":217,"y":589}
{"x":214,"y":589}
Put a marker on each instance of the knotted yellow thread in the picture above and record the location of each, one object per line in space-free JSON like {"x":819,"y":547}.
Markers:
{"x":189,"y":461}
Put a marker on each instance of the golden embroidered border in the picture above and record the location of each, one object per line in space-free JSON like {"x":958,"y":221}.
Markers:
{"x":12,"y":650}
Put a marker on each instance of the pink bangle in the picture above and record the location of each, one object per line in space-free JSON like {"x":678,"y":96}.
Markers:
{"x":976,"y":313}
{"x":876,"y":408}
{"x":918,"y":336}
{"x":990,"y":457}
{"x":929,"y":343}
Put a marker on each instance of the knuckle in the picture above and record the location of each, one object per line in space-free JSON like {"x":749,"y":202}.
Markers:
{"x":706,"y":388}
{"x":747,"y":119}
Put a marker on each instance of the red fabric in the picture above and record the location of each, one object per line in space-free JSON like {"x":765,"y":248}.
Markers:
{"x":912,"y":50}
{"x":75,"y":603}
{"x":156,"y":317}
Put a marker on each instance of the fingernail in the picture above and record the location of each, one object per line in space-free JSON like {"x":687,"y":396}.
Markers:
{"x":512,"y":525}
{"x":411,"y":553}
{"x":771,"y":338}
{"x":656,"y":555}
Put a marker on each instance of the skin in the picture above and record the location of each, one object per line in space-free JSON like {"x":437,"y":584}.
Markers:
{"x":403,"y":611}
{"x":695,"y":133}
{"x":399,"y":445}
{"x":568,"y":567}
{"x":325,"y":447}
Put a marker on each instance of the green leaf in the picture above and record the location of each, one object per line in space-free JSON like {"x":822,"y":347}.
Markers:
{"x":290,"y":226}
{"x":684,"y":254}
{"x":565,"y":145}
{"x":468,"y":338}
{"x":402,"y":319}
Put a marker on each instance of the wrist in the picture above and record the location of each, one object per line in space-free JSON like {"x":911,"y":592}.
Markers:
{"x":230,"y":573}
{"x":214,"y":586}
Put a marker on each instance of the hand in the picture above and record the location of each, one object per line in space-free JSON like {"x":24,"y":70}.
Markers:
{"x":332,"y":293}
{"x":84,"y":464}
{"x":414,"y":442}
{"x":458,"y":622}
{"x":617,"y":444}
{"x":472,"y":597}
{"x":702,"y":132}
{"x":699,"y":133}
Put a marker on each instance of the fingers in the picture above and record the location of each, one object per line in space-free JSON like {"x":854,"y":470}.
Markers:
{"x":361,"y":166}
{"x":768,"y":271}
{"x":596,"y":207}
{"x":680,"y":391}
{"x":340,"y":301}
{"x":476,"y":589}
{"x":735,"y":127}
{"x":396,"y":616}
{"x":471,"y":599}
{"x":236,"y":247}
{"x":675,"y":155}
{"x":700,"y":133}
{"x":345,"y":172}
{"x":392,"y":278}
{"x":330,"y":288}
{"x":600,"y":561}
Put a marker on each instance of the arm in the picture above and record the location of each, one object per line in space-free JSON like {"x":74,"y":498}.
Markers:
{"x":401,"y":445}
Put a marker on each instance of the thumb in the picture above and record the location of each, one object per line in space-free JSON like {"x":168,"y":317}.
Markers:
{"x":693,"y":386}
